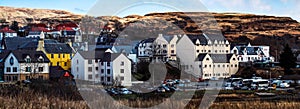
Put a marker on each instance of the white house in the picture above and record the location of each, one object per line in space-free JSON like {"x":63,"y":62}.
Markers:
{"x":115,"y":68}
{"x":102,"y":66}
{"x":26,"y":64}
{"x":189,"y":47}
{"x":249,"y":53}
{"x":144,"y":49}
{"x":217,"y":65}
{"x":164,"y":47}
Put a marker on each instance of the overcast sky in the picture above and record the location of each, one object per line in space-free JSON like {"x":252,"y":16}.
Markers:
{"x":126,"y":7}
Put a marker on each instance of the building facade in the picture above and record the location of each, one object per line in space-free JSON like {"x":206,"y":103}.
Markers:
{"x":249,"y":53}
{"x":26,"y":64}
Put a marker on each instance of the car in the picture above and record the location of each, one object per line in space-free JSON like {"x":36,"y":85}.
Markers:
{"x":160,"y":90}
{"x":125,"y":91}
{"x":245,"y":88}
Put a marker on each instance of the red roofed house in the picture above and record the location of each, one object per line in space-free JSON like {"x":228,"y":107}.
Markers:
{"x":68,"y":32}
{"x":7,"y":32}
{"x":38,"y":30}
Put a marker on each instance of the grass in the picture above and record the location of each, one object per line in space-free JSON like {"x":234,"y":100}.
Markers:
{"x":44,"y":95}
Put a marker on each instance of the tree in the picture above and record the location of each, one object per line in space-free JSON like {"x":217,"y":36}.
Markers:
{"x":287,"y":59}
{"x":15,"y":26}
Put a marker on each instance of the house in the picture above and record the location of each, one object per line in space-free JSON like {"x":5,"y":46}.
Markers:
{"x":189,"y":47}
{"x":59,"y":54}
{"x":249,"y":53}
{"x":144,"y":49}
{"x":164,"y":47}
{"x":217,"y":65}
{"x":115,"y":68}
{"x":38,"y":32}
{"x":102,"y":66}
{"x":127,"y":50}
{"x":26,"y":64}
{"x":60,"y":75}
{"x":67,"y":32}
{"x":6,"y":32}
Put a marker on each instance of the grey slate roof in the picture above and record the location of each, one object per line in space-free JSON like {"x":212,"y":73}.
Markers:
{"x":221,"y":58}
{"x":99,"y":54}
{"x":249,"y":50}
{"x":201,"y":38}
{"x":124,"y":49}
{"x":14,"y":43}
{"x":34,"y":55}
{"x":58,"y":48}
{"x":148,"y":40}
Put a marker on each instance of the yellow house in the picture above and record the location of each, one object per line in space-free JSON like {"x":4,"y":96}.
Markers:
{"x":59,"y":54}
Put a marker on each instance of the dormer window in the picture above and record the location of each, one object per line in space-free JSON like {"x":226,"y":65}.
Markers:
{"x":41,"y":59}
{"x":11,"y":61}
{"x":27,"y":59}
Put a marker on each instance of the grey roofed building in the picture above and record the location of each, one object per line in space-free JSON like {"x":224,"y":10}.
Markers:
{"x":214,"y":36}
{"x":34,"y":55}
{"x":123,"y":49}
{"x":249,"y":50}
{"x":217,"y":58}
{"x":58,"y":48}
{"x":221,"y":58}
{"x":14,"y":43}
{"x":99,"y":54}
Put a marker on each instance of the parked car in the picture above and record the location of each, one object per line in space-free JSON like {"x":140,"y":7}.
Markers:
{"x":125,"y":91}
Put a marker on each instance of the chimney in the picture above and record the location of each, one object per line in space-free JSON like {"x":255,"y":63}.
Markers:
{"x":41,"y":45}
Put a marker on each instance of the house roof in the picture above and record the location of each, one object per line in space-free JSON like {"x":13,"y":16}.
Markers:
{"x":123,"y":49}
{"x":13,"y":43}
{"x":221,"y":58}
{"x":99,"y":54}
{"x":92,"y":54}
{"x":200,"y":37}
{"x":148,"y":40}
{"x":58,"y":48}
{"x":201,"y":56}
{"x":34,"y":55}
{"x":249,"y":50}
{"x":7,"y":30}
{"x":3,"y":55}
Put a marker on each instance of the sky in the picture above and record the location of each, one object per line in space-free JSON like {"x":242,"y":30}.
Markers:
{"x":127,"y":7}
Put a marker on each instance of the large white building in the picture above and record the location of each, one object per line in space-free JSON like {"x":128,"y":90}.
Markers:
{"x":190,"y":47}
{"x":102,"y":66}
{"x":26,"y":64}
{"x":217,"y":65}
{"x":249,"y":53}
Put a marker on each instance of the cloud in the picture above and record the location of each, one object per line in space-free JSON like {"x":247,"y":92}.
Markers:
{"x":80,"y":10}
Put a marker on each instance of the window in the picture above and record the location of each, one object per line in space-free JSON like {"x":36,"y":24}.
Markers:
{"x":90,"y":69}
{"x":89,"y":61}
{"x":27,"y":60}
{"x":41,"y":69}
{"x":172,"y":51}
{"x":235,"y":65}
{"x":97,"y":75}
{"x":102,"y":70}
{"x":205,"y":66}
{"x":102,"y":78}
{"x":197,"y":51}
{"x":219,"y":66}
{"x":122,"y":63}
{"x":233,"y":59}
{"x":52,"y":55}
{"x":207,"y":59}
{"x":66,"y":63}
{"x":108,"y":71}
{"x":108,"y":63}
{"x":57,"y":63}
{"x":172,"y":45}
{"x":27,"y":77}
{"x":28,"y":69}
{"x":63,"y":55}
{"x":165,"y":46}
{"x":122,"y":78}
{"x":96,"y":68}
{"x":58,"y":55}
{"x":209,"y":51}
{"x":90,"y":76}
{"x":122,"y":71}
{"x":15,"y":69}
{"x":77,"y":69}
{"x":108,"y":78}
{"x":77,"y":61}
{"x":8,"y":69}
